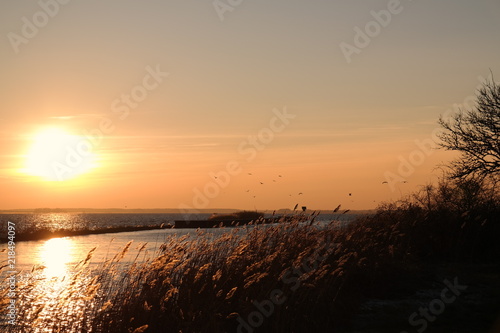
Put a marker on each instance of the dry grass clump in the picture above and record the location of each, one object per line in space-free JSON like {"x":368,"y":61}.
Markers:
{"x":202,"y":284}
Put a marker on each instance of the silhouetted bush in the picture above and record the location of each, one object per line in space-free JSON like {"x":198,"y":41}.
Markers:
{"x":454,"y":220}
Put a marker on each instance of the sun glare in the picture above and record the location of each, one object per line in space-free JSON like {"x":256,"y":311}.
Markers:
{"x":56,"y":155}
{"x":55,"y":256}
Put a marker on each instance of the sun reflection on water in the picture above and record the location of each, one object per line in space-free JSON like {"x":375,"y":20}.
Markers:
{"x":55,"y":293}
{"x":55,"y":256}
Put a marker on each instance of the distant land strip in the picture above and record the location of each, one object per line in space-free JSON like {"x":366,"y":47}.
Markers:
{"x":47,"y":234}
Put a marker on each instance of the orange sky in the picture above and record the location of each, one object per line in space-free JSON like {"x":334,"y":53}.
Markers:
{"x":166,"y":97}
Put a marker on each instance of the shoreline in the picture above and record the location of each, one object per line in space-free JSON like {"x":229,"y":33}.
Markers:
{"x":46,"y":234}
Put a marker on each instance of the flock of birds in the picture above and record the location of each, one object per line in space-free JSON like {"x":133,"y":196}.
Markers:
{"x":301,"y":193}
{"x":274,"y":181}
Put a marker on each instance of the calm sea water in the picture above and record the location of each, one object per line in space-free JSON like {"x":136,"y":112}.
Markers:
{"x":80,"y":221}
{"x":59,"y":256}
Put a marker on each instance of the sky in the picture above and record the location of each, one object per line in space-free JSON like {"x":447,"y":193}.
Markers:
{"x":233,"y":103}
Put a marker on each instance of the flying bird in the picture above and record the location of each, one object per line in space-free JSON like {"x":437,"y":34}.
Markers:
{"x":385,"y":183}
{"x":279,"y":176}
{"x":249,"y":174}
{"x":350,"y":194}
{"x":261,"y":183}
{"x":300,"y":193}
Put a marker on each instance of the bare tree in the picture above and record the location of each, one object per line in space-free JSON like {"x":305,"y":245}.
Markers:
{"x":476,"y":134}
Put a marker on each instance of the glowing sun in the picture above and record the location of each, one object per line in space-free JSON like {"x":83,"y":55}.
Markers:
{"x":56,"y":155}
